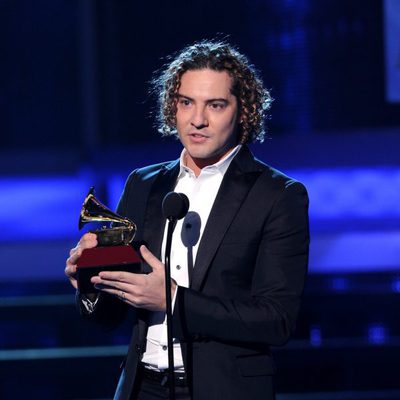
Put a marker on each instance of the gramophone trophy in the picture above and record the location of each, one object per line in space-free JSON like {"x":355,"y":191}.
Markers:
{"x":113,"y":252}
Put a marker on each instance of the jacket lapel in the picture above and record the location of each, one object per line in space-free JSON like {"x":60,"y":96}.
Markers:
{"x":238,"y":180}
{"x":154,"y":220}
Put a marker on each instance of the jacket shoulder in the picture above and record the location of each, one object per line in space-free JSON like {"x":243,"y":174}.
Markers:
{"x":269,"y":176}
{"x":151,"y":171}
{"x":140,"y":181}
{"x":276,"y":178}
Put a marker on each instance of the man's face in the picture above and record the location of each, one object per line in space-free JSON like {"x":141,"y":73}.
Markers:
{"x":206,"y":117}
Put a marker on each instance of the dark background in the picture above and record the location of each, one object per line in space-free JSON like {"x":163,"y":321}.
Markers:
{"x":69,"y":64}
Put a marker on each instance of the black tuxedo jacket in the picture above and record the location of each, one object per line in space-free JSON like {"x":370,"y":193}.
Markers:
{"x":246,"y":284}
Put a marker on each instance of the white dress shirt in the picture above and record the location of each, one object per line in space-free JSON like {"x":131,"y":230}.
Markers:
{"x":201,"y":192}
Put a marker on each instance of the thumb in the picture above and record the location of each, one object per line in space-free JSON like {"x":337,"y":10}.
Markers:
{"x":151,"y":259}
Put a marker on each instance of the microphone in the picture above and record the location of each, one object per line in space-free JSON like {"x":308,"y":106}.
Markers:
{"x":175,"y":206}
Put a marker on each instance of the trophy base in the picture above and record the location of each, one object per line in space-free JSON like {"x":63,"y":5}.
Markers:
{"x":107,"y":258}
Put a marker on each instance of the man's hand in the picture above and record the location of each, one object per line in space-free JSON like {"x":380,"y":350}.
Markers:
{"x":88,"y":240}
{"x":138,"y":290}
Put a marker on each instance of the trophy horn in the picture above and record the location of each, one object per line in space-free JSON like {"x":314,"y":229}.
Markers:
{"x":94,"y":211}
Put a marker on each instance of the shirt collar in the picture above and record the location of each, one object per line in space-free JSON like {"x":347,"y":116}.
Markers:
{"x":221,"y":166}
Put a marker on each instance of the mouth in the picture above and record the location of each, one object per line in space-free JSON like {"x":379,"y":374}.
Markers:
{"x":198,"y":138}
{"x":198,"y":135}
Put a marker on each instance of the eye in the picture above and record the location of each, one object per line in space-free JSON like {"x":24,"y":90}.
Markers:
{"x":185,"y":102}
{"x":217,"y":106}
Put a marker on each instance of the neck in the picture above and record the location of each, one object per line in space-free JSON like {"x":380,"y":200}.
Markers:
{"x":197,"y":164}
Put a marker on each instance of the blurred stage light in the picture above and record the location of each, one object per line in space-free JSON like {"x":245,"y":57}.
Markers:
{"x":377,"y":334}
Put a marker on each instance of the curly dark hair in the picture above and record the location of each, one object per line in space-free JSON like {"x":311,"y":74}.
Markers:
{"x":253,"y":99}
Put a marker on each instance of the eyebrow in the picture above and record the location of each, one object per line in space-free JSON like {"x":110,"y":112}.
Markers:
{"x":222,"y":99}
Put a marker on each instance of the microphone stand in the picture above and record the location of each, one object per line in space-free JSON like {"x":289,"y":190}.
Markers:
{"x":168,"y":300}
{"x":175,"y":206}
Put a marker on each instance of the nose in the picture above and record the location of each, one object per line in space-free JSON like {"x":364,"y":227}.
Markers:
{"x":199,"y":118}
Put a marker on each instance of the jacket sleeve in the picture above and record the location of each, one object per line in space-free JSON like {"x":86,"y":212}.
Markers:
{"x":268,"y":313}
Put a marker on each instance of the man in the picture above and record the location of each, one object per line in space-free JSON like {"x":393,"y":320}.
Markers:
{"x":239,"y":258}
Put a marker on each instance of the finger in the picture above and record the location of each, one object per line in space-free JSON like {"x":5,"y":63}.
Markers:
{"x":74,"y":256}
{"x":150,"y":258}
{"x":119,"y":279}
{"x":131,"y":298}
{"x":70,"y":270}
{"x":120,"y":290}
{"x":87,"y":241}
{"x":118,"y":276}
{"x":113,"y":291}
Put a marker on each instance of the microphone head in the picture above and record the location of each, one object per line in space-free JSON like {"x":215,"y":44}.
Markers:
{"x":175,"y":205}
